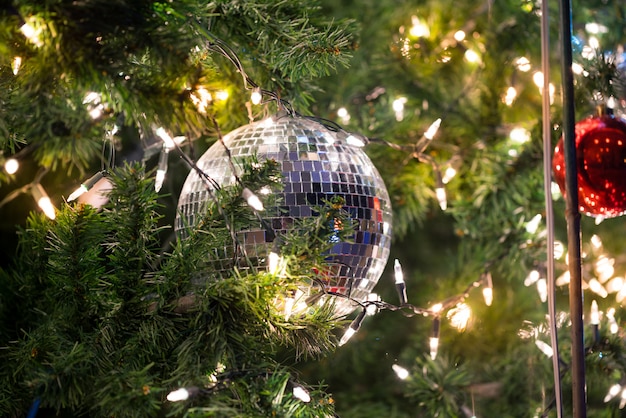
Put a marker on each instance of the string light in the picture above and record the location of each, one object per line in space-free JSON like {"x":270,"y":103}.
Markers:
{"x":86,"y":186}
{"x":43,"y":201}
{"x":459,"y":35}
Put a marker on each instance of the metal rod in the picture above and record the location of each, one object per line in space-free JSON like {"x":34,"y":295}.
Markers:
{"x":572,"y":214}
{"x":547,"y":182}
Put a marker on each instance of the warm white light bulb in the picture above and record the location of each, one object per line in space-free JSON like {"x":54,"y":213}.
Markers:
{"x":80,"y":190}
{"x":532,"y":277}
{"x":273,"y":260}
{"x":523,"y":64}
{"x":418,"y":28}
{"x":168,"y":141}
{"x":459,"y":316}
{"x":397,"y":270}
{"x":519,"y":135}
{"x":372,"y":309}
{"x":17,"y":63}
{"x":510,"y":96}
{"x":594,"y":318}
{"x":302,"y":394}
{"x":31,"y":33}
{"x":221,"y":95}
{"x":440,"y":192}
{"x":613,"y":392}
{"x":432,"y":129}
{"x":43,"y":201}
{"x":253,"y":200}
{"x":472,"y":56}
{"x":11,"y":166}
{"x":545,"y":348}
{"x":178,"y":395}
{"x":353,"y":140}
{"x":559,"y":250}
{"x":596,"y":287}
{"x":256,"y":97}
{"x":159,"y":179}
{"x":400,"y":371}
{"x":459,"y":35}
{"x":436,"y":308}
{"x":448,"y":175}
{"x":398,"y":104}
{"x":533,"y":224}
{"x":347,"y":335}
{"x":434,"y":347}
{"x":622,"y":402}
{"x":488,"y":295}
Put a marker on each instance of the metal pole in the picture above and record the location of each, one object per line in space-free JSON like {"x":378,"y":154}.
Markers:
{"x":547,"y":177}
{"x":572,"y":215}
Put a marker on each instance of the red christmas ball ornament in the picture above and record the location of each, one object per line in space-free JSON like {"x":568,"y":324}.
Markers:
{"x":601,"y":165}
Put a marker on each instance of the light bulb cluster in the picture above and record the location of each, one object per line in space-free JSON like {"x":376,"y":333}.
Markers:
{"x":458,"y":312}
{"x":417,"y":151}
{"x":221,"y":381}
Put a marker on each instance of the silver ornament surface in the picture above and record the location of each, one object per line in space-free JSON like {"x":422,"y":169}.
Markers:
{"x":317,"y":163}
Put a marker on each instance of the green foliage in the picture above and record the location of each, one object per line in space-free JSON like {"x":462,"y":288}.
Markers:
{"x":146,"y":61}
{"x":438,"y":388}
{"x":98,"y":321}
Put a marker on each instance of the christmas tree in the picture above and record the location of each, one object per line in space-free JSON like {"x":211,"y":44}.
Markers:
{"x":108,"y":311}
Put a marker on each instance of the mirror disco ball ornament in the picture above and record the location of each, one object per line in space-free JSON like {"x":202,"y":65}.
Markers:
{"x":600,"y":143}
{"x":317,"y":163}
